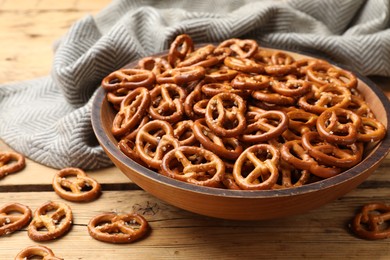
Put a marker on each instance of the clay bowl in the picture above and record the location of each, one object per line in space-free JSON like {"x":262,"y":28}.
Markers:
{"x":246,"y":205}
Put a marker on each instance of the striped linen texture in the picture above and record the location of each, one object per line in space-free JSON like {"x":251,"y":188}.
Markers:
{"x":48,"y":119}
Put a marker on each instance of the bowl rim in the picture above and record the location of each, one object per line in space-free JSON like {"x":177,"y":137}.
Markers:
{"x":375,"y":157}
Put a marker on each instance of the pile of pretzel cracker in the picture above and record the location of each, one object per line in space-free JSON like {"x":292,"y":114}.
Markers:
{"x":238,"y":116}
{"x":54,"y":219}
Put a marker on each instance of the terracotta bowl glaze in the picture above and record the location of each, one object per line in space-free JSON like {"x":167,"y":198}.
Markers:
{"x":246,"y":205}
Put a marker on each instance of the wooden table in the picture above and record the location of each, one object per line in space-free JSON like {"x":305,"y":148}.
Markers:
{"x":28,"y":29}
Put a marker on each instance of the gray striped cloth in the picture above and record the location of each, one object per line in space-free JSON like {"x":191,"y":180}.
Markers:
{"x":48,"y":119}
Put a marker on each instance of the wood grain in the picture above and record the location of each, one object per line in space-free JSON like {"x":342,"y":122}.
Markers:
{"x":28,"y":32}
{"x":182,"y":235}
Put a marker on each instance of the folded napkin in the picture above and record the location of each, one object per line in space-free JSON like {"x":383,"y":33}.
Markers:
{"x":48,"y":119}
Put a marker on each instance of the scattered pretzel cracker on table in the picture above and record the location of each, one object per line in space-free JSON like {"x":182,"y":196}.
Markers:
{"x":11,"y":222}
{"x":118,"y":228}
{"x":37,"y":250}
{"x":236,"y":115}
{"x":11,"y":162}
{"x":82,"y":189}
{"x":50,"y":221}
{"x":372,"y":222}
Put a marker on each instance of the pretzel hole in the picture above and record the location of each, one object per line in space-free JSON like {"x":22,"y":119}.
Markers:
{"x":108,"y":227}
{"x":200,"y":106}
{"x":345,"y":148}
{"x":344,"y":119}
{"x":163,"y":107}
{"x":226,"y":124}
{"x":103,"y":223}
{"x":11,"y":216}
{"x":204,"y":176}
{"x":331,"y":151}
{"x":57,"y":217}
{"x":366,"y":129}
{"x":291,"y":85}
{"x":252,"y":118}
{"x":82,"y":185}
{"x":246,"y":47}
{"x":182,"y":48}
{"x":339,"y":133}
{"x":156,"y":101}
{"x":273,"y":120}
{"x":293,"y":175}
{"x":277,"y":141}
{"x":249,"y":167}
{"x":132,"y":223}
{"x":312,"y":100}
{"x":151,"y":149}
{"x":295,"y":153}
{"x":185,"y":135}
{"x":354,"y":106}
{"x":298,"y":132}
{"x":221,"y":72}
{"x":86,"y":187}
{"x":230,"y":146}
{"x":337,"y":127}
{"x":317,"y":142}
{"x":37,"y":255}
{"x":377,"y":226}
{"x":149,"y":64}
{"x":114,"y":81}
{"x":303,"y":120}
{"x":7,"y":160}
{"x":262,"y":155}
{"x":175,"y":166}
{"x":195,"y":159}
{"x":344,"y":79}
{"x":384,"y":226}
{"x":296,"y":175}
{"x":158,"y":133}
{"x":174,"y":94}
{"x":339,"y":74}
{"x":112,"y":229}
{"x":230,"y":124}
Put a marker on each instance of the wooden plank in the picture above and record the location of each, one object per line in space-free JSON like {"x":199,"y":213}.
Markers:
{"x":41,"y":5}
{"x":28,"y":38}
{"x":89,"y":5}
{"x":14,"y":5}
{"x":180,"y":234}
